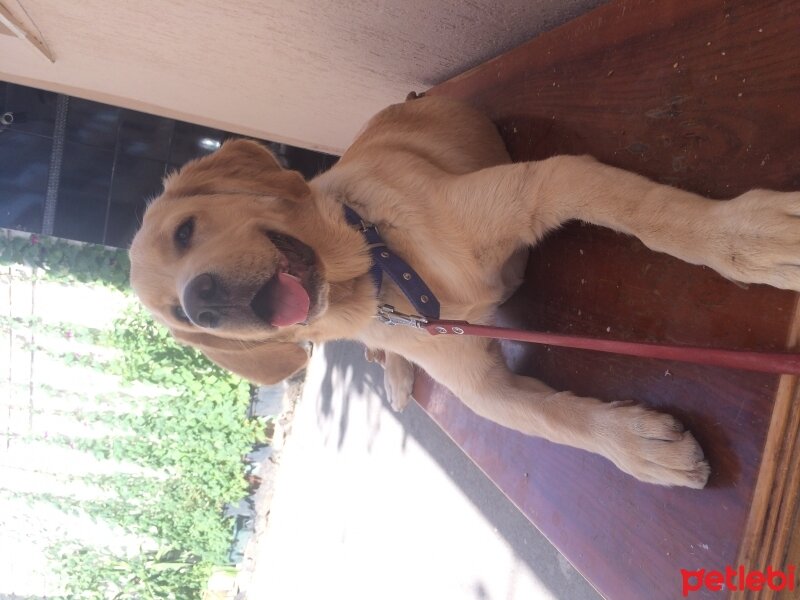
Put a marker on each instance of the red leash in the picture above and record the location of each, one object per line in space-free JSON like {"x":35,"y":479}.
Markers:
{"x":767,"y":362}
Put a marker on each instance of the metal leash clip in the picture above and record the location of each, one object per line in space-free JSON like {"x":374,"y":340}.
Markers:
{"x":388,"y":315}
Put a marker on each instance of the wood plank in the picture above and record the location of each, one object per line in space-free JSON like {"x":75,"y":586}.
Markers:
{"x":705,"y":96}
{"x":15,"y":26}
{"x":767,"y":540}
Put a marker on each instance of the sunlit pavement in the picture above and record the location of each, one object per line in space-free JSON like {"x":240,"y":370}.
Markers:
{"x":374,"y":505}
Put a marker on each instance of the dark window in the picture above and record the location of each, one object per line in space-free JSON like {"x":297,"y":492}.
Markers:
{"x":310,"y":164}
{"x":24,"y":164}
{"x":193,"y":141}
{"x":144,"y":135}
{"x":113,"y":162}
{"x":83,"y":192}
{"x":123,"y":222}
{"x":92,"y":123}
{"x":34,"y":110}
{"x":135,"y":182}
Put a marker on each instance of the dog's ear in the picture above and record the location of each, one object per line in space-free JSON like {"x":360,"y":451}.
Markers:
{"x":238,"y":166}
{"x":263,"y":363}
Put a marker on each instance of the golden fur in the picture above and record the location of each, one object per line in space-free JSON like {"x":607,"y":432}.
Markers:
{"x":435,"y":178}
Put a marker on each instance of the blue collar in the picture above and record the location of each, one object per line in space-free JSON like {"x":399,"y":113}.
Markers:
{"x":398,"y":270}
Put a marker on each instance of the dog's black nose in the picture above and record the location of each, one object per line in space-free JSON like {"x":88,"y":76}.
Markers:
{"x":202,"y":298}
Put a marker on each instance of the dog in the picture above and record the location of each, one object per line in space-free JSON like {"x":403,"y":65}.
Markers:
{"x":248,"y":262}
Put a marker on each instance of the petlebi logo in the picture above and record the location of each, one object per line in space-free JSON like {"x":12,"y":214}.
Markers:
{"x":739,"y":579}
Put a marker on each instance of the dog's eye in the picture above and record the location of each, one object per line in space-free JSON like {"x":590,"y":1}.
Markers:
{"x":179,"y":314}
{"x":183,"y":234}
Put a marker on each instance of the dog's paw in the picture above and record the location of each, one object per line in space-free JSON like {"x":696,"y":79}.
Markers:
{"x":651,"y":446}
{"x":756,"y":238}
{"x":398,"y":379}
{"x":375,"y":355}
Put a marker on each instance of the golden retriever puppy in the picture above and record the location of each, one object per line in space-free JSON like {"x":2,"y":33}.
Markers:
{"x":245,"y":260}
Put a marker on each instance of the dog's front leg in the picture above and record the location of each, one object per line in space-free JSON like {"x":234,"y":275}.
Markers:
{"x":754,"y":238}
{"x":398,"y":376}
{"x":651,"y":446}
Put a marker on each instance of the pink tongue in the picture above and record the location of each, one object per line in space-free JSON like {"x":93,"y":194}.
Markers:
{"x":291,"y":302}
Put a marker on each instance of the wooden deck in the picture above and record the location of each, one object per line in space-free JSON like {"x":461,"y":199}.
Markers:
{"x":704,"y":95}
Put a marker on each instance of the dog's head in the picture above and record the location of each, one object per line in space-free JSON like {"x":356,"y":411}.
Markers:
{"x":224,"y":259}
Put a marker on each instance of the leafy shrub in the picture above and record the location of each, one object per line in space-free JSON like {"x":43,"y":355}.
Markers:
{"x":151,"y":574}
{"x":69,"y":262}
{"x":195,"y":434}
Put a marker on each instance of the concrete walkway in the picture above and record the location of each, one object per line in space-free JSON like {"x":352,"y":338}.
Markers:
{"x":377,"y":506}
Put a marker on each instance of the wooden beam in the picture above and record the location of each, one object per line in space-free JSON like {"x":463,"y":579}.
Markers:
{"x":768,"y":538}
{"x":18,"y":28}
{"x":693,"y":94}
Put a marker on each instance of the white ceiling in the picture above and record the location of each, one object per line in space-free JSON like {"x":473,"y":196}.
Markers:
{"x":307,"y":72}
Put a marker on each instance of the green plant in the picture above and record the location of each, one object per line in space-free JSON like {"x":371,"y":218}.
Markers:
{"x":194,"y":434}
{"x":66,"y":261}
{"x":70,"y":331}
{"x":163,"y":573}
{"x":197,"y":434}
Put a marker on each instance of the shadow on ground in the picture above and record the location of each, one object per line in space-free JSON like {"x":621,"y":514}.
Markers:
{"x":346,"y":366}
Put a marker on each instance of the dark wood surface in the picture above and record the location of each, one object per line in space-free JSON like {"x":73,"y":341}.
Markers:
{"x":704,"y":95}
